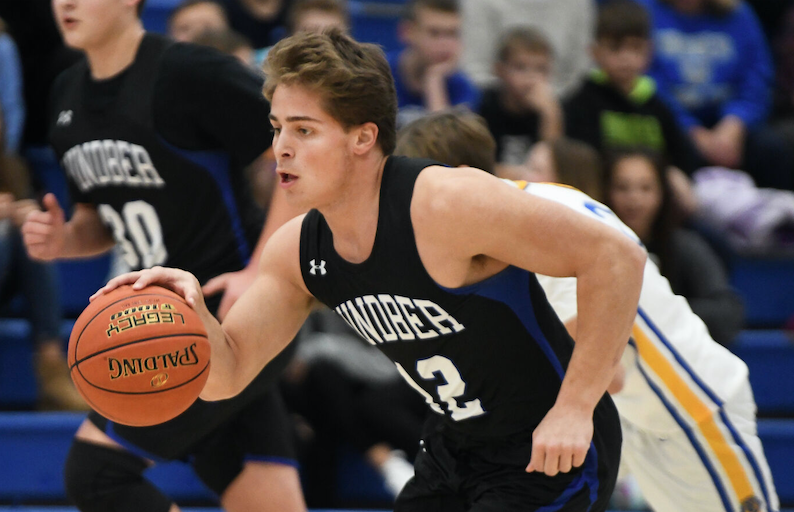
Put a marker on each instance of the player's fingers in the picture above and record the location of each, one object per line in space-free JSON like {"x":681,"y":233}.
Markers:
{"x":579,"y":454}
{"x":36,"y":228}
{"x":565,"y":460}
{"x":39,"y":217}
{"x":216,"y":284}
{"x":551,"y":464}
{"x":224,"y":306}
{"x":538,"y":459}
{"x":114,"y":283}
{"x":51,"y":204}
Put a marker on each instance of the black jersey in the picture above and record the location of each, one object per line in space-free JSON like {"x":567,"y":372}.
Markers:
{"x":490,"y":356}
{"x":160,"y":150}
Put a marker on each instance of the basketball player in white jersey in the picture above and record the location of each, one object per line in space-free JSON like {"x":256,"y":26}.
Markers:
{"x":686,"y":406}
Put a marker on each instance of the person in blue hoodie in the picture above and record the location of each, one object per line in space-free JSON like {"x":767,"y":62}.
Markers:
{"x":713,"y":66}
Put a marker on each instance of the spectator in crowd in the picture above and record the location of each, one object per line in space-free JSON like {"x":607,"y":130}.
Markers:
{"x":618,"y":106}
{"x":191,"y":18}
{"x":522,"y":108}
{"x":637,"y":192}
{"x":567,"y":25}
{"x":317,"y":16}
{"x":261,"y":21}
{"x":426,"y":73}
{"x":713,"y":66}
{"x":38,"y":284}
{"x":228,"y":41}
{"x":567,"y":161}
{"x":12,"y":101}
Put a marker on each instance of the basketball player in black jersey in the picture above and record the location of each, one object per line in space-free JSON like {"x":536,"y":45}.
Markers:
{"x":434,"y":267}
{"x":154,"y":137}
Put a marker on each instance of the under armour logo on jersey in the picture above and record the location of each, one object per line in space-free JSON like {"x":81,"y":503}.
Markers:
{"x":315,"y":268}
{"x":64,"y":118}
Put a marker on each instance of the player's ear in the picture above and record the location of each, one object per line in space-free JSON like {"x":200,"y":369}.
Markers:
{"x":366,"y":136}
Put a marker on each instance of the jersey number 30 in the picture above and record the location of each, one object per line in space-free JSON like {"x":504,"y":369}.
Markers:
{"x":441,"y":368}
{"x":138,"y":232}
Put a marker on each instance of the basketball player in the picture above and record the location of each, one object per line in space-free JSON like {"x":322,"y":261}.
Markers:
{"x":685,"y":402}
{"x":154,"y":137}
{"x":434,"y":267}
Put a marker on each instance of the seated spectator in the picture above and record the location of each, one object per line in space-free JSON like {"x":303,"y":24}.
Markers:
{"x":228,"y":41}
{"x":12,"y":101}
{"x":426,"y":73}
{"x":618,"y":106}
{"x":567,"y":161}
{"x":261,"y":21}
{"x":317,"y":16}
{"x":713,"y":66}
{"x":638,"y":194}
{"x":191,"y":18}
{"x":38,"y":284}
{"x":567,"y":24}
{"x":522,"y":108}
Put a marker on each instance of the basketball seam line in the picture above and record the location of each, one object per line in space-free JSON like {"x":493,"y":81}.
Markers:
{"x":199,"y":374}
{"x":195,"y":334}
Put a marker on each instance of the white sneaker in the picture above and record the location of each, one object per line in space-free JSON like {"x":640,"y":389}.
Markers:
{"x":396,"y":472}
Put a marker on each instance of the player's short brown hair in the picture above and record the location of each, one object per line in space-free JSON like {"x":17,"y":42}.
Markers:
{"x":353,"y":79}
{"x":453,"y":137}
{"x":619,"y":19}
{"x":300,"y":7}
{"x":413,"y":6}
{"x":523,"y":38}
{"x":579,"y":165}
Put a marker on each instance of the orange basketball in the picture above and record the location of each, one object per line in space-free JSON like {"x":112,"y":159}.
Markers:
{"x":140,"y":357}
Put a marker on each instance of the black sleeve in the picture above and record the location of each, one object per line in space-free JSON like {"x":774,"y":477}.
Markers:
{"x":582,"y":121}
{"x":706,"y":287}
{"x":205,"y":100}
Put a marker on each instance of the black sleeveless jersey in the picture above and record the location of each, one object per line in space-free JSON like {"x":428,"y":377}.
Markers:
{"x":160,"y":150}
{"x":490,"y":357}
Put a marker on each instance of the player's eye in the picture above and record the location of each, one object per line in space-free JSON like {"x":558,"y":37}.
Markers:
{"x":304,"y":131}
{"x":274,"y":130}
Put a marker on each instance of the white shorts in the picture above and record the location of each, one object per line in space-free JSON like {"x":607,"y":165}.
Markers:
{"x":716,"y":465}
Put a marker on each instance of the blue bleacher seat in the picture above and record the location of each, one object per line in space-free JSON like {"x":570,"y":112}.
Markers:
{"x":770,"y":357}
{"x":767,"y":287}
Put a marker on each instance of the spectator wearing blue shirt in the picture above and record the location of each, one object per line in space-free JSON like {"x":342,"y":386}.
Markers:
{"x":12,"y":101}
{"x":713,"y":66}
{"x":426,"y":73}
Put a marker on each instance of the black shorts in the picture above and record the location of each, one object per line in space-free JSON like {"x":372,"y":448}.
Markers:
{"x":217,"y":438}
{"x":457,"y":473}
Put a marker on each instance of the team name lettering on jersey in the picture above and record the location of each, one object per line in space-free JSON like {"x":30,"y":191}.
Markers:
{"x":385,"y":318}
{"x":101,"y":163}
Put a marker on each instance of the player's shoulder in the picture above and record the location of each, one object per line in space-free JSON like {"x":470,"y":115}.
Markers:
{"x":75,"y":74}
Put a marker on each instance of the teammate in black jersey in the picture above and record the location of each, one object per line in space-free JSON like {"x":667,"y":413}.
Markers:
{"x":432,"y":265}
{"x":154,"y":137}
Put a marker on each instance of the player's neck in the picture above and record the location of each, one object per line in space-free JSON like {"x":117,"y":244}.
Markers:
{"x":353,"y":219}
{"x":116,"y":53}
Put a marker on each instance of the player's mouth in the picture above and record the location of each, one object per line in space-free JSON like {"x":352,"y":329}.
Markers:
{"x":69,"y":23}
{"x":286,"y":178}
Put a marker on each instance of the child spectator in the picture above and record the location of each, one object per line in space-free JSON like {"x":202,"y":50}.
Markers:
{"x":638,"y":194}
{"x":191,"y":18}
{"x":228,"y":41}
{"x":522,"y":109}
{"x":567,"y":24}
{"x":12,"y":102}
{"x":567,"y":161}
{"x":317,"y":16}
{"x":713,"y":66}
{"x":261,"y":21}
{"x":618,"y":106}
{"x":426,"y":73}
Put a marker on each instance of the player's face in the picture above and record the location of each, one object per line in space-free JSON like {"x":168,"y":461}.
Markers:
{"x":635,"y":193}
{"x":435,"y":35}
{"x":312,"y":149}
{"x":87,"y":24}
{"x":624,"y":60}
{"x":193,"y":21}
{"x":522,"y":70}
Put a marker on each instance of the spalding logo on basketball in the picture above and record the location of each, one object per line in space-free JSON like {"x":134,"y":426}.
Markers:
{"x":140,"y":357}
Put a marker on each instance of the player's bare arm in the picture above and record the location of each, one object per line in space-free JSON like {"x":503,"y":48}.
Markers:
{"x":48,"y":236}
{"x":259,"y":325}
{"x":469,"y":226}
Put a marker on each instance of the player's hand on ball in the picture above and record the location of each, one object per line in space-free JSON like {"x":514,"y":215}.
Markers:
{"x":183,"y":283}
{"x":44,"y":232}
{"x":561,"y":441}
